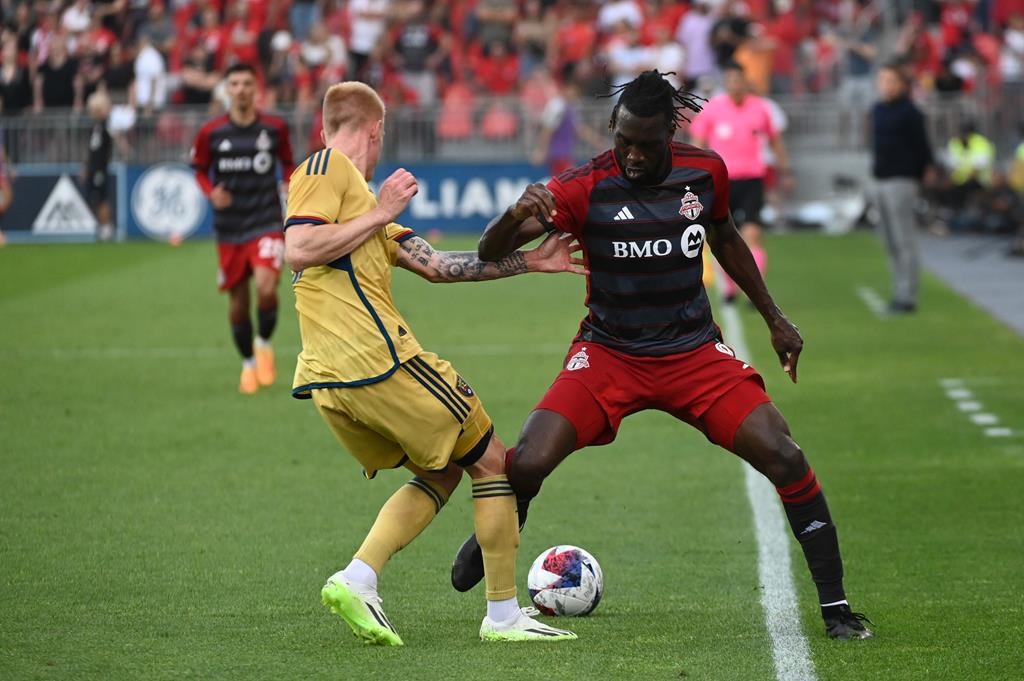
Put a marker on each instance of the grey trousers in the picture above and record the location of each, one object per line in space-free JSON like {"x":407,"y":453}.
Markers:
{"x":896,"y":200}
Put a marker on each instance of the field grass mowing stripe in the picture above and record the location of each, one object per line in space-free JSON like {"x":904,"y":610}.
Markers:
{"x":790,"y":651}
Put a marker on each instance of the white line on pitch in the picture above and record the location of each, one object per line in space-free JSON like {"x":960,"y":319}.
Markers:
{"x":790,"y":652}
{"x":998,"y":432}
{"x":873,"y":301}
{"x":951,"y":382}
{"x":959,"y":394}
{"x":969,"y":405}
{"x":985,"y":419}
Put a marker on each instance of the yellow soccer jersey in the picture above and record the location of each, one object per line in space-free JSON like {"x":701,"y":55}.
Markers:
{"x":352,"y":334}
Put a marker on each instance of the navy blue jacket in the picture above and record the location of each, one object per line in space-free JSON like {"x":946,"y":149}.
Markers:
{"x":901,"y":147}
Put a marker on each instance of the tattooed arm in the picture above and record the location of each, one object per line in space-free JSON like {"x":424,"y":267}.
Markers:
{"x":554,"y":254}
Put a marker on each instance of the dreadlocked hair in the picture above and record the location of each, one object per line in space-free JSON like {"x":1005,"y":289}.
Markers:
{"x":650,"y":94}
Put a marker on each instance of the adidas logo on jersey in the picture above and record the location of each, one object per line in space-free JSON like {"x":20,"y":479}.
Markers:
{"x":624,"y":214}
{"x":815,"y":525}
{"x":224,"y":146}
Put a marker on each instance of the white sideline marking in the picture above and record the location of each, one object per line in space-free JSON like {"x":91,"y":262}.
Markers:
{"x":873,"y":301}
{"x":959,"y":394}
{"x":778,"y":596}
{"x":964,"y":402}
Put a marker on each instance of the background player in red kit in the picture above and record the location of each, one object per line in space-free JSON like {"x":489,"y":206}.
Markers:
{"x":643,"y":211}
{"x":236,"y":159}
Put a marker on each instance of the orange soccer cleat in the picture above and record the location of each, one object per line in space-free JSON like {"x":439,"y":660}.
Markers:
{"x":266,"y":372}
{"x":248,"y":383}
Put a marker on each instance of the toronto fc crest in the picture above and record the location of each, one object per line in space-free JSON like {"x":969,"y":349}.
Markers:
{"x":581,"y":360}
{"x":691,"y":207}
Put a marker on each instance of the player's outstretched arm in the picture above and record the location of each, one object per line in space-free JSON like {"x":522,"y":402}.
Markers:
{"x":554,"y":254}
{"x":518,"y":225}
{"x":734,"y":256}
{"x":308,"y":245}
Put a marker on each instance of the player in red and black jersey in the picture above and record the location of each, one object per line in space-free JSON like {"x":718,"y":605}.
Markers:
{"x":237,"y":158}
{"x":643,"y":212}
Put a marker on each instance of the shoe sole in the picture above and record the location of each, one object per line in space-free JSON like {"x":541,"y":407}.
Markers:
{"x":345,"y":605}
{"x":522,"y":636}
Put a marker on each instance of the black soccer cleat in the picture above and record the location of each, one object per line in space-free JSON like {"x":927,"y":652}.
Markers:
{"x":843,"y":624}
{"x":468,"y":566}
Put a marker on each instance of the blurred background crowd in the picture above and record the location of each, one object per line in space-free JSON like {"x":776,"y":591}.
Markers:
{"x":496,"y":79}
{"x":418,"y":52}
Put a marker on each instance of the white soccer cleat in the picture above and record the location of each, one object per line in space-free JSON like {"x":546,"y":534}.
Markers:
{"x":360,"y":607}
{"x":522,"y":628}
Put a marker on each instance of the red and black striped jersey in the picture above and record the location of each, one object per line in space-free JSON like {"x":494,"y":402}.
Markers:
{"x":643,"y":246}
{"x":245,"y":160}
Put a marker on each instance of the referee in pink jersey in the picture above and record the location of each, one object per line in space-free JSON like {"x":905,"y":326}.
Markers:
{"x":736,"y":124}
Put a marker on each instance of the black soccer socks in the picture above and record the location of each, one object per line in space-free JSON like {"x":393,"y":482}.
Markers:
{"x":811,"y":523}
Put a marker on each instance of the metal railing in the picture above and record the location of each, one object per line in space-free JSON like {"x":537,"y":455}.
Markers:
{"x":817,"y":124}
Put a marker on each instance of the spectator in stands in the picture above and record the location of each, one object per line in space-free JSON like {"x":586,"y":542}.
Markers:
{"x":15,"y":83}
{"x":497,"y":69}
{"x":242,"y":30}
{"x":694,"y":32}
{"x":325,"y":55}
{"x":303,"y":15}
{"x":419,"y":47}
{"x":1011,"y":58}
{"x":211,"y":35}
{"x":150,"y":77}
{"x":198,"y":76}
{"x":562,"y":126}
{"x":947,"y":82}
{"x":667,"y":55}
{"x":729,"y":32}
{"x":574,"y":40}
{"x":22,"y":25}
{"x":120,"y":73}
{"x":614,"y":13}
{"x":75,"y":22}
{"x":368,"y":19}
{"x":43,"y":34}
{"x":158,"y":28}
{"x":495,"y":21}
{"x":533,"y":35}
{"x":902,"y":157}
{"x":858,"y":39}
{"x":57,"y":83}
{"x":625,"y":56}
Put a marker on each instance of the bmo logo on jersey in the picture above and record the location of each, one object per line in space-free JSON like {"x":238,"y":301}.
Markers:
{"x":689,"y":244}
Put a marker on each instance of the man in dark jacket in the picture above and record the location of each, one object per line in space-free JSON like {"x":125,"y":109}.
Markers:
{"x":902,"y":157}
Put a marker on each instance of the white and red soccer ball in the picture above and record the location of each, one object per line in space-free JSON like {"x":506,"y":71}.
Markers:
{"x":565,"y":580}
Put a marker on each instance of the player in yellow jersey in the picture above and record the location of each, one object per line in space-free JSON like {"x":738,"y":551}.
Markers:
{"x":388,"y":401}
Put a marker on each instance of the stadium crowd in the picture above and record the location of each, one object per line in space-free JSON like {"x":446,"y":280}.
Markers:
{"x":418,"y":52}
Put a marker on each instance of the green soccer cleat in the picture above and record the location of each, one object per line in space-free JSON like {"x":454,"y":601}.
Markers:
{"x":360,"y":607}
{"x":522,"y":628}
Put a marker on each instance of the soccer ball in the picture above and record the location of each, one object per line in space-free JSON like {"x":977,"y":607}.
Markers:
{"x":565,"y":580}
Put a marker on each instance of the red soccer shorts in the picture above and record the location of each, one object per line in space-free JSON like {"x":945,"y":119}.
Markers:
{"x":707,"y":387}
{"x":237,"y":261}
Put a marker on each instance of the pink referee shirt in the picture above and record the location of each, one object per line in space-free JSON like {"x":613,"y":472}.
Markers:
{"x":737,"y":133}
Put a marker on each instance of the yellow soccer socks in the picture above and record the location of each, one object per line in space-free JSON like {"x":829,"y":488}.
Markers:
{"x":409,"y":510}
{"x":497,"y":530}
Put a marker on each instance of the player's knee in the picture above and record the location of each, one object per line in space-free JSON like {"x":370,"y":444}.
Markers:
{"x":448,"y":479}
{"x":526,"y":471}
{"x":788,"y":463}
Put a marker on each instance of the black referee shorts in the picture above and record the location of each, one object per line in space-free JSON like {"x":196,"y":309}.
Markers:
{"x":746,"y":199}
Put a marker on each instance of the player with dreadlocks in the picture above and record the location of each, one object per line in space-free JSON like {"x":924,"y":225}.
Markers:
{"x":643,"y":211}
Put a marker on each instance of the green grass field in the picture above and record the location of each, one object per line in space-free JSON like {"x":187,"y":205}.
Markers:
{"x":154,"y":524}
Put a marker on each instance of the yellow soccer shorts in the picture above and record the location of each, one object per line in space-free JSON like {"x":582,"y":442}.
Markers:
{"x":424,"y":413}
